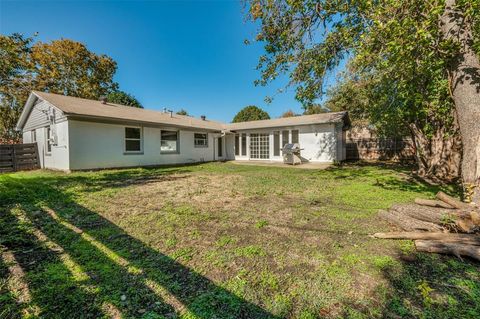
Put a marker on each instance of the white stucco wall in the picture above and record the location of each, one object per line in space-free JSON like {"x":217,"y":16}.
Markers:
{"x":319,"y":142}
{"x":100,"y":145}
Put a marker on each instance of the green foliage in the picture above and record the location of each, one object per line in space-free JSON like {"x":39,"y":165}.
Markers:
{"x":182,"y":112}
{"x":315,"y":109}
{"x":261,"y":224}
{"x":398,"y":63}
{"x":120,"y":97}
{"x":289,"y":113}
{"x":68,"y":67}
{"x":15,"y":82}
{"x":251,"y":113}
{"x":425,"y":291}
{"x":61,"y":66}
{"x":399,"y":39}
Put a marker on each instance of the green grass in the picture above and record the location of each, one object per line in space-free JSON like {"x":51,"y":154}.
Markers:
{"x":220,"y":240}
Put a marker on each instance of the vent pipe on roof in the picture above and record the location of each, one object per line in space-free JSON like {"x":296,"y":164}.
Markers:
{"x":103,"y":99}
{"x":203,"y":117}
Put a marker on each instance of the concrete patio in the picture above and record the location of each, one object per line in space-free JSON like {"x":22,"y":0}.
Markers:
{"x":308,"y":165}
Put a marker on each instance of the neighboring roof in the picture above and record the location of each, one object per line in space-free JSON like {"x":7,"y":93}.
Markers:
{"x":333,"y":117}
{"x":84,"y":108}
{"x":74,"y":106}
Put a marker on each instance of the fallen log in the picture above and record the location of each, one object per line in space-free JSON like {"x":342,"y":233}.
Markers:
{"x":452,"y":201}
{"x":448,"y":248}
{"x":440,"y":236}
{"x":465,"y":225}
{"x":432,"y":203}
{"x":475,"y":217}
{"x":427,"y":214}
{"x":408,"y":223}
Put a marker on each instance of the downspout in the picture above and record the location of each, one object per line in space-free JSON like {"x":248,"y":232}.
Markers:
{"x":225,"y":144}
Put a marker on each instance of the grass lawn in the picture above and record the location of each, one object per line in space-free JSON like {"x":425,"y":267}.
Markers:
{"x":220,"y":240}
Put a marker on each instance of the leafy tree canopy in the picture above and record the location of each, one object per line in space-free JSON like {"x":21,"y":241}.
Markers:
{"x":68,"y":67}
{"x":123,"y":98}
{"x":399,"y":62}
{"x":61,"y":66}
{"x":182,"y":112}
{"x":315,"y":109}
{"x":251,"y":113}
{"x":307,"y":39}
{"x":289,"y":113}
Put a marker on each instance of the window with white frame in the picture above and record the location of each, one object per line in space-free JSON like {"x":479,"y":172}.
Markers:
{"x":276,"y":143}
{"x":237,"y":145}
{"x":200,"y":139}
{"x":34,"y":136}
{"x":48,"y":140}
{"x":294,"y":136}
{"x":285,"y":137}
{"x":169,"y":141}
{"x":244,"y":144}
{"x":133,"y":139}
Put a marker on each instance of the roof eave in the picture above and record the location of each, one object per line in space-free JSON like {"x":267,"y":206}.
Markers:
{"x":32,"y":98}
{"x":75,"y":116}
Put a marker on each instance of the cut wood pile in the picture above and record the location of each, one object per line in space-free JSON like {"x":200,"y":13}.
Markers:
{"x":445,"y":225}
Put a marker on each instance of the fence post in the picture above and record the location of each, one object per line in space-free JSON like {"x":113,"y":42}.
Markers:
{"x":14,"y":158}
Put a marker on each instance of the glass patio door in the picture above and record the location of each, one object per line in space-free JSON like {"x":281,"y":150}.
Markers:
{"x":259,"y":146}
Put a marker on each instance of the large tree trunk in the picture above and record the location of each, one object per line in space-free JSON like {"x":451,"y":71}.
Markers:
{"x":438,"y":157}
{"x":465,"y":87}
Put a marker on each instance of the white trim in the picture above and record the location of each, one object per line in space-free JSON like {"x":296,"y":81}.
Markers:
{"x":125,"y":152}
{"x":47,"y":130}
{"x":195,"y":140}
{"x":177,"y":150}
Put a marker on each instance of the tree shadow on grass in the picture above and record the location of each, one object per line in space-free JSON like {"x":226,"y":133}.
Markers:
{"x":432,"y":286}
{"x":409,"y":181}
{"x":51,"y":286}
{"x":106,"y":265}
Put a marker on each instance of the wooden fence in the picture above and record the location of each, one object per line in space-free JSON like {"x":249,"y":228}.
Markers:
{"x":380,"y":149}
{"x":17,"y":157}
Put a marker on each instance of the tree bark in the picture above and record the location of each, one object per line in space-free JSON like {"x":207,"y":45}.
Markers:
{"x":439,"y":156}
{"x":408,"y":223}
{"x":448,"y":248}
{"x":452,"y":201}
{"x":432,"y":203}
{"x":465,"y":88}
{"x":444,"y":237}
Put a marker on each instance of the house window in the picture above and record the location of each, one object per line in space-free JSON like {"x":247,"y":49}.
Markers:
{"x":284,"y":138}
{"x":294,"y":136}
{"x":220,"y":147}
{"x":200,"y":139}
{"x":237,"y":145}
{"x":48,"y":139}
{"x":133,"y":139}
{"x":169,"y":141}
{"x":276,"y":143}
{"x":244,"y":144}
{"x":34,"y":136}
{"x":260,"y":146}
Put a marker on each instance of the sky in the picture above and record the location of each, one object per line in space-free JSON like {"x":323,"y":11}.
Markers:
{"x":174,"y":54}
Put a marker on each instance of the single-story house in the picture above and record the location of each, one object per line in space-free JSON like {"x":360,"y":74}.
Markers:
{"x":78,"y":134}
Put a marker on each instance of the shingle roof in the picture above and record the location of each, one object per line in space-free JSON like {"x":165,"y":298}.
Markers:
{"x":74,"y":106}
{"x":92,"y":108}
{"x":333,"y":117}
